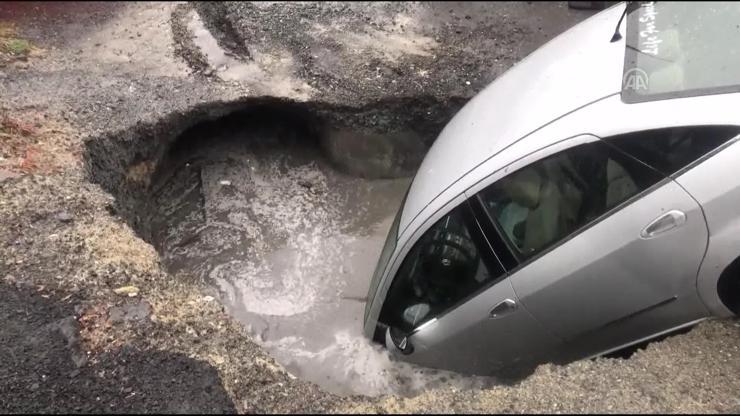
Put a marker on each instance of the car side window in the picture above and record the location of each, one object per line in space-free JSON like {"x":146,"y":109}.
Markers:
{"x":450,"y":262}
{"x":670,"y":150}
{"x":545,"y":202}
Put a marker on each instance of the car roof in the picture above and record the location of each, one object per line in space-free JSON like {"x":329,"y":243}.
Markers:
{"x":574,"y":69}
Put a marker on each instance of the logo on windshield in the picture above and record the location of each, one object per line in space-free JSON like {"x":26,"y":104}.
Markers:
{"x":635,"y":79}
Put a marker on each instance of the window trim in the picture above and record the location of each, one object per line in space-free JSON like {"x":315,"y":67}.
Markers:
{"x":496,"y":233}
{"x":492,"y":260}
{"x":610,"y":141}
{"x":529,"y":158}
{"x":585,"y":227}
{"x":707,"y":155}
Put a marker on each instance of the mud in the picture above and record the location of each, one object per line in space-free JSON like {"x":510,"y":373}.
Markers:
{"x":391,"y":49}
{"x":108,"y":90}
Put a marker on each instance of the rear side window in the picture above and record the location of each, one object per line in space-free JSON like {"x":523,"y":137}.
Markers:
{"x":543,"y":203}
{"x":670,"y":150}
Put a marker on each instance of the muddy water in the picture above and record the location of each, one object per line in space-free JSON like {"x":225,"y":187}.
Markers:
{"x":229,"y":67}
{"x":274,"y":70}
{"x":291,"y":245}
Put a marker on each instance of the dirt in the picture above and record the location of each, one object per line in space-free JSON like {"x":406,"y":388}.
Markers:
{"x":45,"y":367}
{"x":690,"y":373}
{"x":392,"y":49}
{"x":121,"y":81}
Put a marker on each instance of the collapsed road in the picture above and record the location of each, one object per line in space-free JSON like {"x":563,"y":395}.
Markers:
{"x":192,"y":196}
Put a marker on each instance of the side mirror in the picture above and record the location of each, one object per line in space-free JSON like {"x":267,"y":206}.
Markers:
{"x":397,"y":342}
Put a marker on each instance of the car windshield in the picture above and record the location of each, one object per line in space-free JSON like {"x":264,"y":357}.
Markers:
{"x":677,"y":49}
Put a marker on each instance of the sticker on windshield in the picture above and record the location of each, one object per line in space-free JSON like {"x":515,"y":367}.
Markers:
{"x":649,"y":40}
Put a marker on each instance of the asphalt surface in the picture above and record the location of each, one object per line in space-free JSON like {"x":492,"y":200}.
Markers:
{"x":91,"y":319}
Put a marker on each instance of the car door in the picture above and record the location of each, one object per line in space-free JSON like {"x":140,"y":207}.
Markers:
{"x":695,"y":157}
{"x":607,"y":248}
{"x":454,"y":306}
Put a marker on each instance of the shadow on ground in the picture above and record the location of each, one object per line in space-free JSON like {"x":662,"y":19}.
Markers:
{"x":43,"y":368}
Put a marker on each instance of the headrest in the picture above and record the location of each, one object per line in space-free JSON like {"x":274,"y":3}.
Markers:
{"x":523,"y":187}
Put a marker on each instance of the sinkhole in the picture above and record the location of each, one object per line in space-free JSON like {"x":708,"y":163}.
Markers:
{"x":284,"y":208}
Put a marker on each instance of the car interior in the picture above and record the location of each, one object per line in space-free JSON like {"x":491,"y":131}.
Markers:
{"x":546,"y":201}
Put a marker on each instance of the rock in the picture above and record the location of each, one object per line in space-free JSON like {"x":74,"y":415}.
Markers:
{"x":64,"y":217}
{"x":127,"y":290}
{"x":131,"y":312}
{"x":111,"y":209}
{"x":6,"y":174}
{"x":69,"y":328}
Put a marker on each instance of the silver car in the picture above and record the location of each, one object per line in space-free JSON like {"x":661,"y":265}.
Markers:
{"x":586,"y":201}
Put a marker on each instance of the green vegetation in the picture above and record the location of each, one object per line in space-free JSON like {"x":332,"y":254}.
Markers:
{"x":10,"y":45}
{"x":16,"y":46}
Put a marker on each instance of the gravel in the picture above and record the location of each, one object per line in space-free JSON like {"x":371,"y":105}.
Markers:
{"x":112,"y":72}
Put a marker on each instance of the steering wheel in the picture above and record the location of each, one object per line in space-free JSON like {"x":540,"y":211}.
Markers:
{"x":454,"y":244}
{"x":426,"y":282}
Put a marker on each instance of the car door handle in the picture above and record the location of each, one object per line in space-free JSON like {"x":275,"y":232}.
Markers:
{"x":666,"y":222}
{"x":503,"y":308}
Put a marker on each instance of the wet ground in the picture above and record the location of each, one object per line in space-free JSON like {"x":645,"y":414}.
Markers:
{"x":87,"y":118}
{"x":43,"y":369}
{"x":392,"y":49}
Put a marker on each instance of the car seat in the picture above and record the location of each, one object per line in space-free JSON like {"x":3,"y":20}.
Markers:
{"x":620,"y":184}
